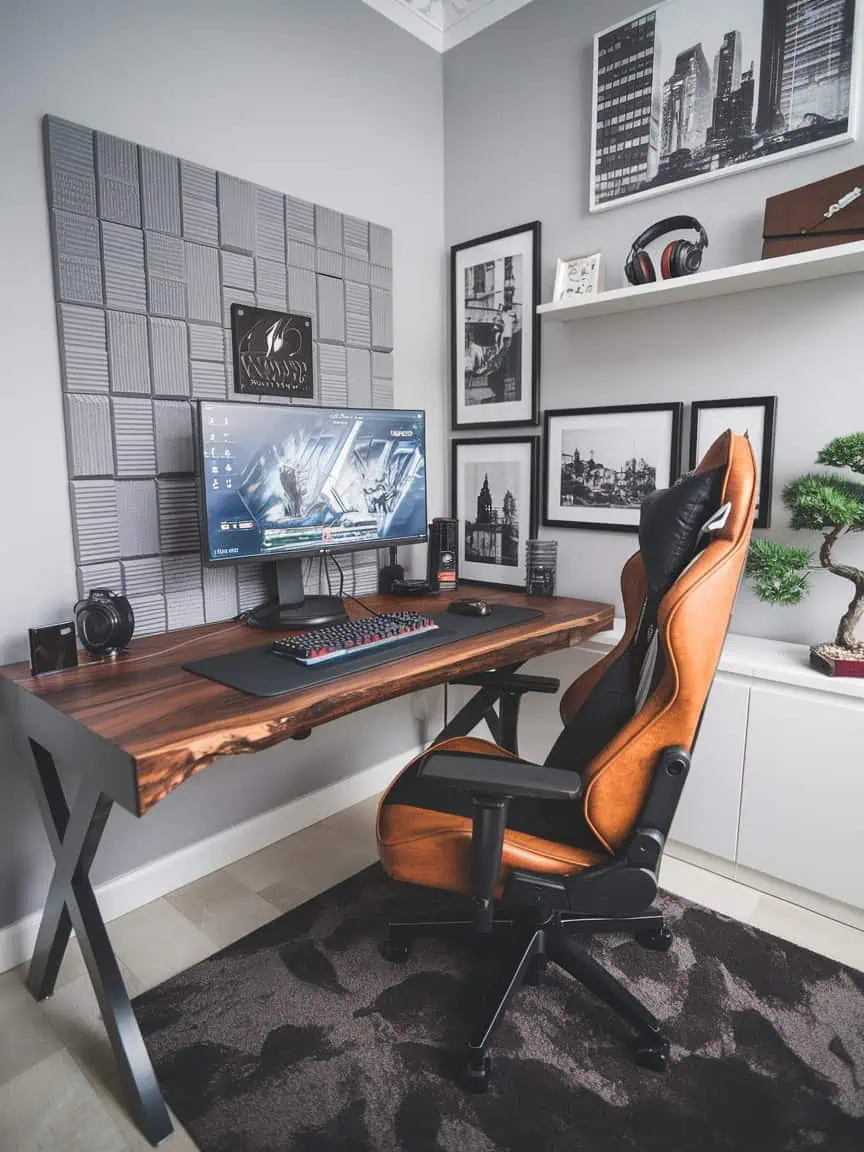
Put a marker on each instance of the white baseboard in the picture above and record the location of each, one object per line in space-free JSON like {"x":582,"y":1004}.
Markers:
{"x":133,"y":889}
{"x":761,"y":882}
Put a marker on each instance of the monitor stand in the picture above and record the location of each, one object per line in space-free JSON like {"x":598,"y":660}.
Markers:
{"x":295,"y":609}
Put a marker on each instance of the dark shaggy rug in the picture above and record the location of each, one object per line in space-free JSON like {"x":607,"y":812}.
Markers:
{"x":301,"y":1037}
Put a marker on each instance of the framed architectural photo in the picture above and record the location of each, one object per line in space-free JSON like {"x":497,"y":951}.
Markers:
{"x":689,"y":90}
{"x":578,"y":276}
{"x":495,"y":329}
{"x":753,"y":416}
{"x":601,"y":463}
{"x":494,"y":486}
{"x":272,"y":352}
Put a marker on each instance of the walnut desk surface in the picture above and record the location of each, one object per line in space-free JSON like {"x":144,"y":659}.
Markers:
{"x":151,"y":724}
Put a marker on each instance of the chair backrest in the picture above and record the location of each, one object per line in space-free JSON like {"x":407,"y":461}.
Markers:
{"x":679,"y":589}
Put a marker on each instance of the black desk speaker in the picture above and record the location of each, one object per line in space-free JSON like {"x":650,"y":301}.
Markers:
{"x":441,"y":557}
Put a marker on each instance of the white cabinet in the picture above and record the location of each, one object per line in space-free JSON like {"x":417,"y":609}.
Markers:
{"x":707,"y":816}
{"x":802,"y":806}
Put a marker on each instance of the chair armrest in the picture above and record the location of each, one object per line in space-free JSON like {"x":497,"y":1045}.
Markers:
{"x":500,"y":776}
{"x":511,"y":682}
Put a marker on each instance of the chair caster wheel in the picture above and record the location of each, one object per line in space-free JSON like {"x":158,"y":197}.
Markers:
{"x":658,"y":939}
{"x":652,"y":1052}
{"x":477,"y":1073}
{"x":396,"y":950}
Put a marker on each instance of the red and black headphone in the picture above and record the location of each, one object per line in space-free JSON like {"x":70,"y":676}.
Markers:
{"x":680,"y":257}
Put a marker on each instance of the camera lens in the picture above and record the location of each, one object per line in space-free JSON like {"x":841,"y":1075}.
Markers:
{"x":98,"y":624}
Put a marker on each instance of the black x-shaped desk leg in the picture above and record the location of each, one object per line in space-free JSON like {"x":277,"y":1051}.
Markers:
{"x":71,"y":904}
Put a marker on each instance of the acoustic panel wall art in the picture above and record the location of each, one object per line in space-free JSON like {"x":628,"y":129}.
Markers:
{"x":150,"y":252}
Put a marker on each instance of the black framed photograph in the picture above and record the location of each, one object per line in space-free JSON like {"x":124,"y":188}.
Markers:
{"x":272,"y":352}
{"x":751,"y":416}
{"x":601,"y":463}
{"x":494,"y":492}
{"x":495,"y":329}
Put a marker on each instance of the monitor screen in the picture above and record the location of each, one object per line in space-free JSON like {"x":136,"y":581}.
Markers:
{"x":280,"y":481}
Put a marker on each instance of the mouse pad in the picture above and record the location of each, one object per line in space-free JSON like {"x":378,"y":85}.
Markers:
{"x":258,"y":672}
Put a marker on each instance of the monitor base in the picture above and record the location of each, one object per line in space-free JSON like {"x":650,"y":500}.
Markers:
{"x":313,"y":612}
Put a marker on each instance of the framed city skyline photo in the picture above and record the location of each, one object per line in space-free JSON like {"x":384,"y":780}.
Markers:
{"x":689,"y":90}
{"x":494,"y":493}
{"x":495,"y":329}
{"x":601,"y":463}
{"x":752,"y":416}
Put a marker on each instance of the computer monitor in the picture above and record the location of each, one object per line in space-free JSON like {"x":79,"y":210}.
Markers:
{"x":284,"y":483}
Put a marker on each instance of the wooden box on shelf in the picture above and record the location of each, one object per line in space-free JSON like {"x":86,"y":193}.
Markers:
{"x":817,"y":215}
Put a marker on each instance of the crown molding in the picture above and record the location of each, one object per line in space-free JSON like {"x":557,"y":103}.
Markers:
{"x":442,"y":24}
{"x":465,"y":18}
{"x":422,"y":18}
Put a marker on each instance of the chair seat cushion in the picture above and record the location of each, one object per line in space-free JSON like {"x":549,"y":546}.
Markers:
{"x":424,"y":830}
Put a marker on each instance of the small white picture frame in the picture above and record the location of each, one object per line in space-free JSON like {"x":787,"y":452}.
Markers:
{"x":578,"y":276}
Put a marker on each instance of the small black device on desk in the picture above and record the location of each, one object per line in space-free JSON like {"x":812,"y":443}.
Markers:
{"x":411,"y":588}
{"x":355,"y":636}
{"x":52,"y":648}
{"x":441,"y":555}
{"x":470,"y":608}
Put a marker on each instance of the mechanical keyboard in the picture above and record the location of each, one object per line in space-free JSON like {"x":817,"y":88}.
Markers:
{"x":339,"y":640}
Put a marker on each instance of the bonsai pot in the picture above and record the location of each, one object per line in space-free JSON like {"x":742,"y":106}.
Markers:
{"x":836,"y":661}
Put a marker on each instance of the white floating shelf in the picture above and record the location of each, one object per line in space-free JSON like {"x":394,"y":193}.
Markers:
{"x":780,"y":270}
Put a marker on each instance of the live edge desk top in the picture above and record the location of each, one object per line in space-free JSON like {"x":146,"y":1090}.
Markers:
{"x":145,"y":725}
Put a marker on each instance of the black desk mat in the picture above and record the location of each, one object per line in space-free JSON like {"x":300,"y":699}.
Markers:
{"x":258,"y":672}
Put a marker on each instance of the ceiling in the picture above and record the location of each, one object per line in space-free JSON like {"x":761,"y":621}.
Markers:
{"x":445,"y":23}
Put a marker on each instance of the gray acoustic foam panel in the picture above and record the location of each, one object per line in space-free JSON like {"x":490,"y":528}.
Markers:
{"x":199,"y":205}
{"x":71,"y":175}
{"x":78,"y":272}
{"x":117,"y":180}
{"x":123,"y":267}
{"x":128,"y":352}
{"x":107,"y":575}
{"x":149,"y":253}
{"x":83,"y":349}
{"x":166,"y":274}
{"x":359,"y":378}
{"x":88,"y":426}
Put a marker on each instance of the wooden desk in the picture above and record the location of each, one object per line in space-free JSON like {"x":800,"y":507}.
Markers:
{"x":140,"y":725}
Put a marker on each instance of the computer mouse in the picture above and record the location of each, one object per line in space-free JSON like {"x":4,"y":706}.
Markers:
{"x":470,"y":608}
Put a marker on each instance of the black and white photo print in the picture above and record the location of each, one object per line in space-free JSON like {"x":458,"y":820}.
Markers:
{"x":601,"y":463}
{"x":493,"y":331}
{"x":689,"y":90}
{"x":495,"y":500}
{"x":752,"y":416}
{"x":494,"y":286}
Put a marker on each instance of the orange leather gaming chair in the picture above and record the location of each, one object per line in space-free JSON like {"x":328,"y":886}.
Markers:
{"x":552,"y":853}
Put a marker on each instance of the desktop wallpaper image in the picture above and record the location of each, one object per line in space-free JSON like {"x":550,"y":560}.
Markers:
{"x":285,"y":480}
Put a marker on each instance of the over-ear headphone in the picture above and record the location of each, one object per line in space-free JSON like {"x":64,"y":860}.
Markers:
{"x":680,"y":257}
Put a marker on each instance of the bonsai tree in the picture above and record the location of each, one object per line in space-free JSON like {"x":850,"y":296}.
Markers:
{"x":823,"y":502}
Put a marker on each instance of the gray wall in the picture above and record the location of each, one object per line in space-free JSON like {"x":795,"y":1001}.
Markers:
{"x":328,"y":100}
{"x":517,"y":111}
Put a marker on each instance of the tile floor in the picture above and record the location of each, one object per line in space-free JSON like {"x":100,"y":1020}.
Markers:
{"x":58,"y":1088}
